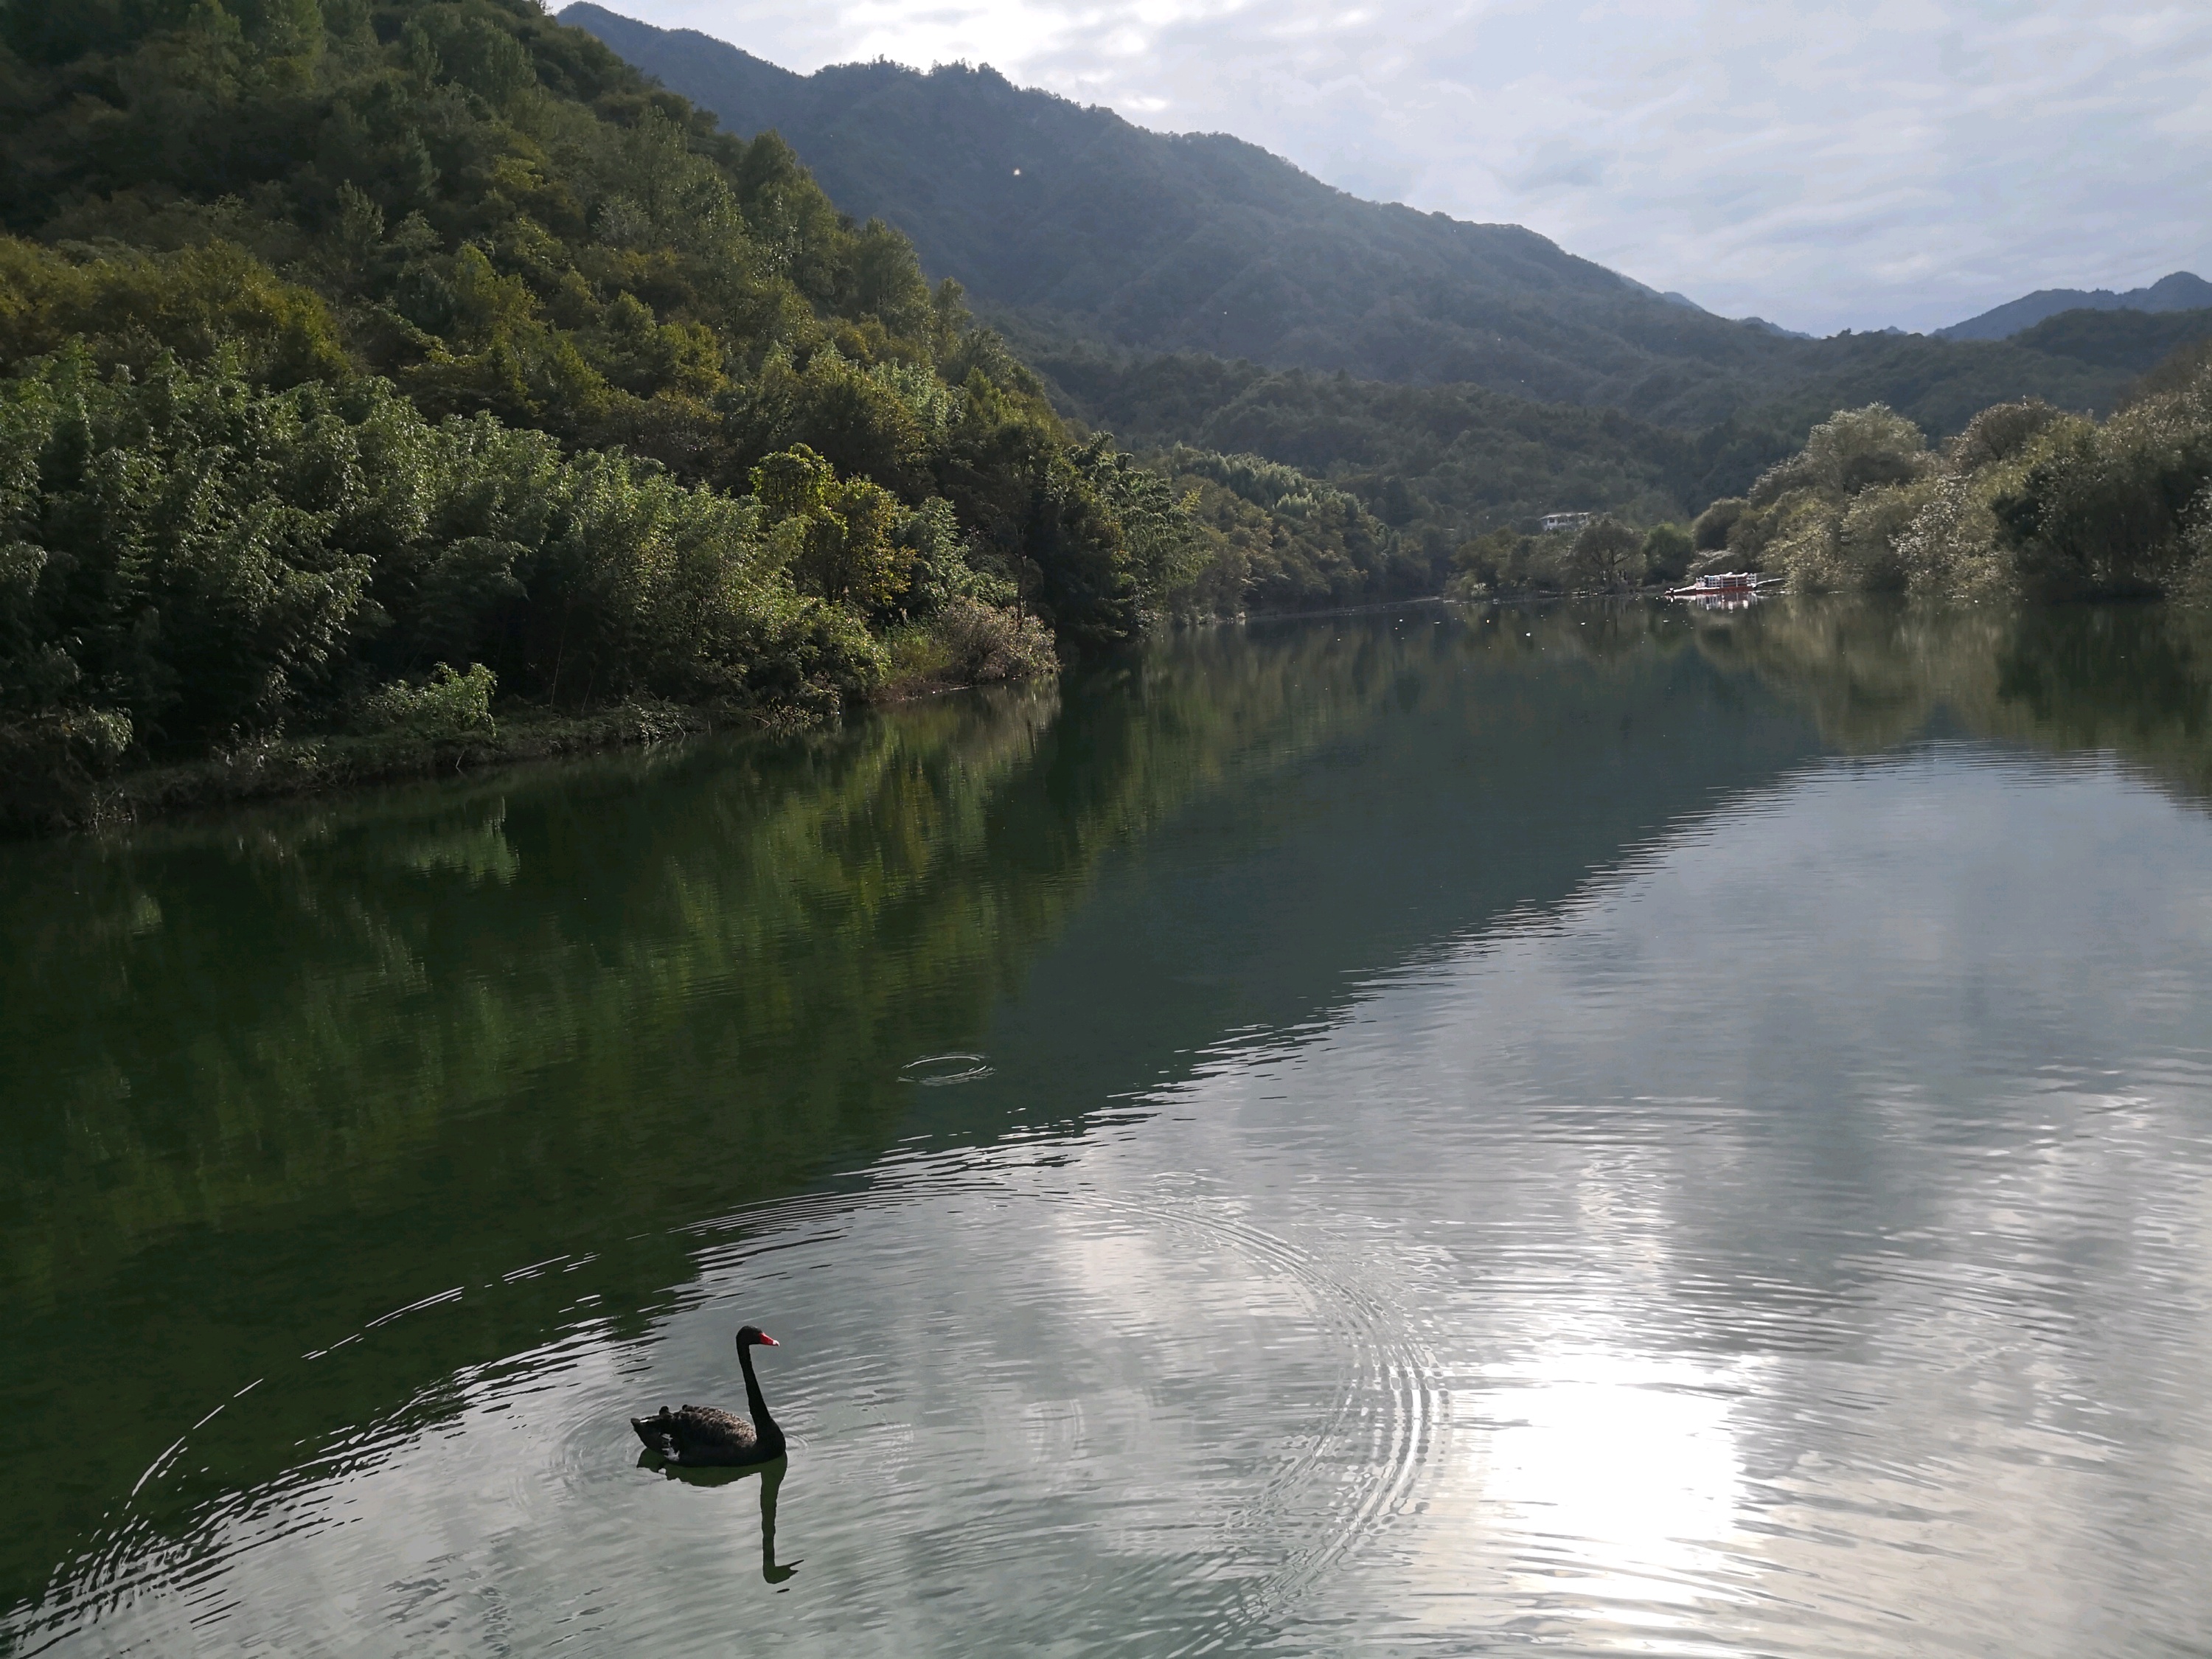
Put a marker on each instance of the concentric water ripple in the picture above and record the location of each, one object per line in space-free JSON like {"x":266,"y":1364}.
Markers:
{"x":541,"y":1442}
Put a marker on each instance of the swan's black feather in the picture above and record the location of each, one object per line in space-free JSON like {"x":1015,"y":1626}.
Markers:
{"x":702,"y":1434}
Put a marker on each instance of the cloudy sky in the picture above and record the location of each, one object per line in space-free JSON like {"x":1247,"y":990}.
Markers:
{"x":1890,"y":161}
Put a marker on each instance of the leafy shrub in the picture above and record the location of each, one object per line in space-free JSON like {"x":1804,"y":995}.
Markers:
{"x":175,"y":561}
{"x":447,"y":705}
{"x":1277,"y":538}
{"x":840,"y":539}
{"x":1950,"y":548}
{"x":986,"y":643}
{"x":1999,"y":433}
{"x":1505,"y":561}
{"x":969,"y":642}
{"x":1605,"y":555}
{"x":2107,"y":510}
{"x":2193,"y":586}
{"x":1853,"y":450}
{"x":197,"y":302}
{"x":48,"y":759}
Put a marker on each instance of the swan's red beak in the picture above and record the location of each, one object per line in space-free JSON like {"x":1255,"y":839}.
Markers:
{"x":768,"y":1341}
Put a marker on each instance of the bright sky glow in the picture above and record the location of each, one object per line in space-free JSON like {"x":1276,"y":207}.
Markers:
{"x":1907,"y":161}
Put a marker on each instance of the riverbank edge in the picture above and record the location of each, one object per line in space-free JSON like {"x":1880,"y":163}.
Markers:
{"x":73,"y":801}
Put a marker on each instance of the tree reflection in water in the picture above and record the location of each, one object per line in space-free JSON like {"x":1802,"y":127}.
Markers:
{"x":2132,"y":680}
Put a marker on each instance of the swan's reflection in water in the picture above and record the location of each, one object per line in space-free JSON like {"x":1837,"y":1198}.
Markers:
{"x":770,"y":1475}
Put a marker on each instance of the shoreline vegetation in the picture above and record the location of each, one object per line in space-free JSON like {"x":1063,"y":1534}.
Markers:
{"x":369,"y":360}
{"x":62,"y":796}
{"x":50,"y":792}
{"x":2027,"y":503}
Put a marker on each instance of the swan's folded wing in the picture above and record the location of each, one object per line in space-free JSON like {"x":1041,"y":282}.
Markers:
{"x":704,"y":1427}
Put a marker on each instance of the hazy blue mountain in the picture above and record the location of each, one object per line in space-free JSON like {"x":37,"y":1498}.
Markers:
{"x":2182,"y":291}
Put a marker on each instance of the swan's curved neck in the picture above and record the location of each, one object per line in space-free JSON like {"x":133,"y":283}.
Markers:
{"x":763,"y":1425}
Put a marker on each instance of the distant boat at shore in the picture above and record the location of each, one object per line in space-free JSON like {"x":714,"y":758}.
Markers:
{"x":1727,"y":587}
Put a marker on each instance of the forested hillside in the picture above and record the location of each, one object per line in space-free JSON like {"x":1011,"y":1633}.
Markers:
{"x":2027,"y":500}
{"x":1102,"y":233}
{"x":1435,"y":463}
{"x":2182,"y":290}
{"x":1452,"y":377}
{"x":1204,"y":242}
{"x":1440,"y":463}
{"x":367,"y":358}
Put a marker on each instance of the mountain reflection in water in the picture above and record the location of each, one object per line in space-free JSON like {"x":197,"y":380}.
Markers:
{"x":1399,"y":1132}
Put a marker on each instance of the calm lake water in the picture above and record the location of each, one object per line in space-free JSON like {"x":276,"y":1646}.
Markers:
{"x":1436,"y":1132}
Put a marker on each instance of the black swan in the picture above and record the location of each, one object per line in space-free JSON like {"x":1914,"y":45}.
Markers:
{"x":700,"y":1435}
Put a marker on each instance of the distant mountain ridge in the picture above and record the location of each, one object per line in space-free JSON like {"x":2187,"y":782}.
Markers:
{"x":2182,"y":291}
{"x":1137,"y":270}
{"x":1205,"y":242}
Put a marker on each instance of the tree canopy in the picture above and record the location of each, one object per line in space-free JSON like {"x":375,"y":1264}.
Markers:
{"x":2027,"y":500}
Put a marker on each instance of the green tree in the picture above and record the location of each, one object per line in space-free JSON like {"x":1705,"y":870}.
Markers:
{"x":1668,"y":551}
{"x":1709,"y":533}
{"x":841,"y":538}
{"x":1606,"y":553}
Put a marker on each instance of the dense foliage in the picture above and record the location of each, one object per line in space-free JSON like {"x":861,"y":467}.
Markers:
{"x":1443,"y":464}
{"x":348,"y":338}
{"x":1601,"y":557}
{"x":1434,"y":465}
{"x":194,"y":557}
{"x":2027,"y":499}
{"x":1277,"y":539}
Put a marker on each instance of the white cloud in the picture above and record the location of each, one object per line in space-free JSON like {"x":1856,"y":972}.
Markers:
{"x":1912,"y":162}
